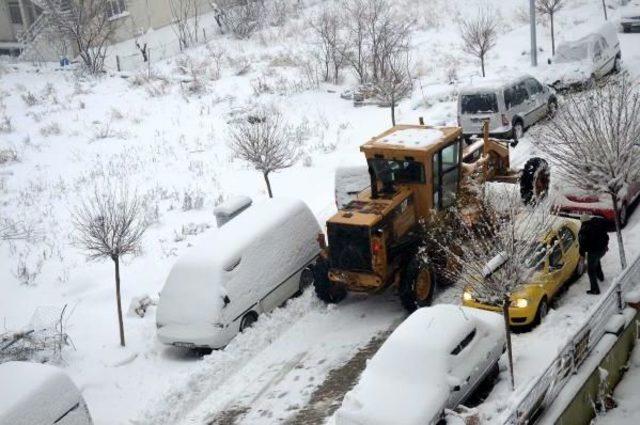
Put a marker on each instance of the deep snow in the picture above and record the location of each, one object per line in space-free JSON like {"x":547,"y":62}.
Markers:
{"x":69,"y":134}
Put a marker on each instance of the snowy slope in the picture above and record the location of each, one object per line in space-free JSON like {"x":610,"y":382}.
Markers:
{"x":71,"y":134}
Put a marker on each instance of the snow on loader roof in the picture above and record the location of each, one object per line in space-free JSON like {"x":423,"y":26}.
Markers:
{"x":416,"y":138}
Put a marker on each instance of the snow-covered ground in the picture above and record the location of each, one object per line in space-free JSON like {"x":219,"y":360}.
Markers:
{"x":168,"y":140}
{"x":626,"y":395}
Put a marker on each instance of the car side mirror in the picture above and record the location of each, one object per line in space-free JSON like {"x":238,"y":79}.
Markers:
{"x":456,"y":388}
{"x":226,"y":300}
{"x":549,"y":61}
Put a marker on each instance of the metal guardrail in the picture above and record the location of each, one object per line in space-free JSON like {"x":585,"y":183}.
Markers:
{"x":544,"y":390}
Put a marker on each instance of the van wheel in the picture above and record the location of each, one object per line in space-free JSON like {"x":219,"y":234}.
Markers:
{"x":518,"y":130}
{"x":534,"y":181}
{"x":248,"y":320}
{"x":306,"y":279}
{"x":417,"y":285}
{"x":327,"y":291}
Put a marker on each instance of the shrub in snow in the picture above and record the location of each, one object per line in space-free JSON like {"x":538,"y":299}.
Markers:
{"x":42,"y":340}
{"x":5,"y":123}
{"x":242,"y":18}
{"x":8,"y":155}
{"x":265,"y":144}
{"x":51,"y":129}
{"x":140,"y":305}
{"x":29,"y":98}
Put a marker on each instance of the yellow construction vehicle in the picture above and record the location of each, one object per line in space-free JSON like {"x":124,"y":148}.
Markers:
{"x":415,"y":171}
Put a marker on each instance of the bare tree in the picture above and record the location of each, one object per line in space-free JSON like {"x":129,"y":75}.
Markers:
{"x":86,"y":23}
{"x":265,"y":143}
{"x":355,"y":51}
{"x":110,"y":224}
{"x":394,"y":84}
{"x":330,"y":45}
{"x":593,"y":140}
{"x":479,"y":34}
{"x":550,"y":7}
{"x":242,"y":17}
{"x":186,"y":15}
{"x":497,"y":251}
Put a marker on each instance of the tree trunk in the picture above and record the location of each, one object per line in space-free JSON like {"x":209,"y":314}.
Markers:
{"x":604,"y":8}
{"x":116,"y":260}
{"x":505,"y":313}
{"x":553,"y":38}
{"x":393,"y":111}
{"x":266,"y":179}
{"x":616,"y":213}
{"x":482,"y":64}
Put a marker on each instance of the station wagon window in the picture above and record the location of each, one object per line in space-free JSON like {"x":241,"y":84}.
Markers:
{"x":534,"y":258}
{"x":533,"y":86}
{"x":478,"y":103}
{"x":567,"y":238}
{"x":597,"y":49}
{"x":464,"y":343}
{"x":14,"y":12}
{"x":515,"y":95}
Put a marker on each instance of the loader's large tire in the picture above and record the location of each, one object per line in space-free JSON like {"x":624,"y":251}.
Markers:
{"x":534,"y":181}
{"x":417,"y":285}
{"x":326,"y":290}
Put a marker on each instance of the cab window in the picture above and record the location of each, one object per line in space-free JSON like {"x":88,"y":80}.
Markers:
{"x":533,"y":86}
{"x":398,"y":171}
{"x":555,"y":256}
{"x":446,"y":175}
{"x":567,"y":238}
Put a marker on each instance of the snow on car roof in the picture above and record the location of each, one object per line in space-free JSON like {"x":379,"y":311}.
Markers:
{"x":491,"y":84}
{"x":415,"y":359}
{"x":34,"y":393}
{"x":413,"y":137}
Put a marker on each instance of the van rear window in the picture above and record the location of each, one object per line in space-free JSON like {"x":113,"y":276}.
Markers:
{"x":479,"y":103}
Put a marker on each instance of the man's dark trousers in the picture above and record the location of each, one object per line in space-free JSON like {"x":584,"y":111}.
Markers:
{"x":594,"y":269}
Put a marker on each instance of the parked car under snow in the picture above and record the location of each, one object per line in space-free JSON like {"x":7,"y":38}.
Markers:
{"x":630,"y":20}
{"x":578,"y":64}
{"x":250,"y":266}
{"x":38,"y":394}
{"x":434,"y":360}
{"x":574,"y":203}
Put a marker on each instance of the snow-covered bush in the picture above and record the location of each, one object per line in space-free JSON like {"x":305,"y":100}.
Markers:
{"x":140,"y":305}
{"x":8,"y":155}
{"x":51,"y":129}
{"x":29,"y":99}
{"x":5,"y":123}
{"x":243,"y":18}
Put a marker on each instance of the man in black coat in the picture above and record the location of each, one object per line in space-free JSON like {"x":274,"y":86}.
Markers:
{"x":594,"y":242}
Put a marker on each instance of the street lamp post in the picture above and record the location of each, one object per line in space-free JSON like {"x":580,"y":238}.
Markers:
{"x":534,"y":46}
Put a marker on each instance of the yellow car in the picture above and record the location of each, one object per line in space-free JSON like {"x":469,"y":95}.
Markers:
{"x":555,"y":265}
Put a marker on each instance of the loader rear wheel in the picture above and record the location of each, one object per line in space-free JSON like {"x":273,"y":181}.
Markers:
{"x":417,"y":285}
{"x":534,"y":181}
{"x":331,"y":293}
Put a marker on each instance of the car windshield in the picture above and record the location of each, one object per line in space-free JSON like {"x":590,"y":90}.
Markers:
{"x":398,"y":171}
{"x":479,"y":103}
{"x":534,"y":258}
{"x":572,"y":53}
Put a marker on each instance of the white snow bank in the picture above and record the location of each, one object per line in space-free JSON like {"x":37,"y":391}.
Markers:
{"x":33,"y":393}
{"x":413,"y":137}
{"x":407,"y":381}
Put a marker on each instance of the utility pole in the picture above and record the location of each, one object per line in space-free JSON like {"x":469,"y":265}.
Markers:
{"x":534,"y":44}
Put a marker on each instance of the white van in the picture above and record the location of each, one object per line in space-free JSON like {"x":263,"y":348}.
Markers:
{"x":510,"y":106}
{"x":38,"y":394}
{"x":248,"y":267}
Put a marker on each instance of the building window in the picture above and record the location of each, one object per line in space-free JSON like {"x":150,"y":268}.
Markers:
{"x":14,"y":12}
{"x":116,"y":7}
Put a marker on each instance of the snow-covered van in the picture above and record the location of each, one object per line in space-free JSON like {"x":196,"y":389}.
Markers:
{"x":510,"y":105}
{"x":434,"y":360}
{"x":248,"y":267}
{"x":578,"y":64}
{"x":38,"y":394}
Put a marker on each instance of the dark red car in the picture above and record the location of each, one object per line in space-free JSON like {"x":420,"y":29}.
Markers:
{"x":577,"y":203}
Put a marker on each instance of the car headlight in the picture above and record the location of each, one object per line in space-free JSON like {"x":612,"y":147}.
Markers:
{"x":520,"y":303}
{"x":466,"y":296}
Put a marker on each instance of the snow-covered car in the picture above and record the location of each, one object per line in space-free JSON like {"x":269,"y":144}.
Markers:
{"x":434,"y":360}
{"x":578,"y":64}
{"x":630,"y":20}
{"x":38,"y":394}
{"x":510,"y":106}
{"x":574,"y":203}
{"x":249,"y":266}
